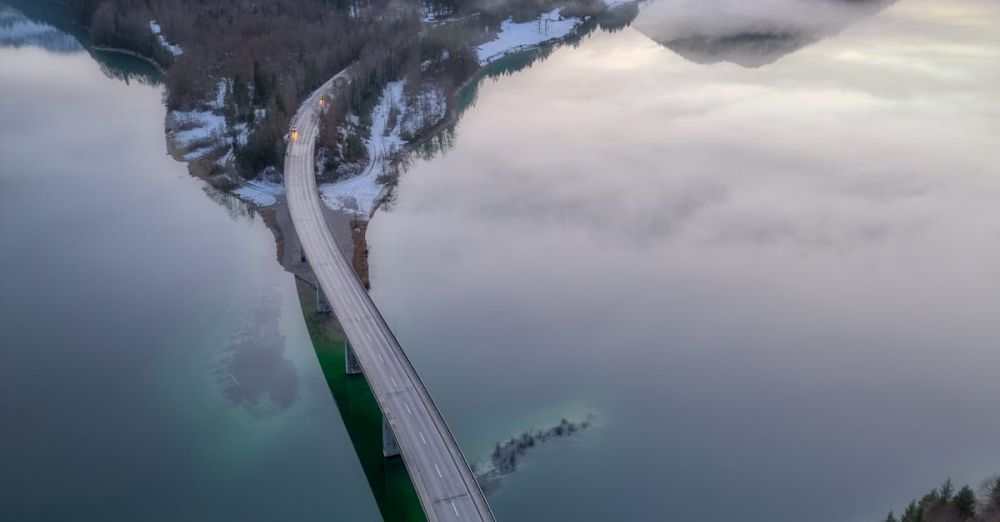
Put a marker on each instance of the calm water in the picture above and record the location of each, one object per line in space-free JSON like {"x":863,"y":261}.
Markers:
{"x":154,"y":361}
{"x":760,"y":243}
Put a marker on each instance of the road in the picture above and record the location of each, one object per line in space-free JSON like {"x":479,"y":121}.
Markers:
{"x":441,"y":476}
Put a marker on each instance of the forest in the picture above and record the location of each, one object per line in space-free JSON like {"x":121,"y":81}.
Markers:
{"x":270,"y":54}
{"x":948,"y":504}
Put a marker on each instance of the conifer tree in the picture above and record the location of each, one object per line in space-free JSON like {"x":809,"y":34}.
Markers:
{"x":947,"y":490}
{"x":965,"y":502}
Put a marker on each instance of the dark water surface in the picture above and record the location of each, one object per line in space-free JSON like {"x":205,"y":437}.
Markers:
{"x":154,"y":361}
{"x":760,"y":240}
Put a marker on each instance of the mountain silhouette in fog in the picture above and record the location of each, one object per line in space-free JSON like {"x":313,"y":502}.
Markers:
{"x":17,"y":30}
{"x":749,"y":34}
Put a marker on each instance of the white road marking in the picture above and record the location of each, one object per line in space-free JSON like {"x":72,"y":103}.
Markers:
{"x":436,"y":468}
{"x":408,"y":408}
{"x":453,"y":508}
{"x":422,"y":438}
{"x":393,"y":379}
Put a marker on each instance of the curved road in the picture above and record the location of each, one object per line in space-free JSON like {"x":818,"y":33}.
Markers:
{"x":443,"y":480}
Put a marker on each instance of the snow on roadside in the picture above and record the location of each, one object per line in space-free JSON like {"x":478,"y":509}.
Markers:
{"x":157,"y":31}
{"x":616,"y":3}
{"x":261,"y":193}
{"x":515,"y":37}
{"x":360,"y":193}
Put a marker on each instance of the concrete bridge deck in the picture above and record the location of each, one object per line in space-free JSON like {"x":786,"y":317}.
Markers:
{"x":444,"y":482}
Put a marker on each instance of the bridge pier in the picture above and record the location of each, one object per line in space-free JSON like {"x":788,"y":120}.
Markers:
{"x":322,"y":304}
{"x":350,"y":360}
{"x":390,"y":448}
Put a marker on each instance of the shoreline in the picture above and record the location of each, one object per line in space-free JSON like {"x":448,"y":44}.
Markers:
{"x":360,"y":239}
{"x":350,"y":228}
{"x":128,"y":52}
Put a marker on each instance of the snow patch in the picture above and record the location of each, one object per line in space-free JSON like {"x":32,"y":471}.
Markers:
{"x":157,"y":31}
{"x":220,"y":94}
{"x":427,"y":108}
{"x":514,"y":37}
{"x":359,"y":194}
{"x":201,"y":132}
{"x":433,"y":13}
{"x":260,"y":192}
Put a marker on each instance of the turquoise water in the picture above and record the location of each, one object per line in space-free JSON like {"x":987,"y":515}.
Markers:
{"x":758,"y":245}
{"x":154,"y":360}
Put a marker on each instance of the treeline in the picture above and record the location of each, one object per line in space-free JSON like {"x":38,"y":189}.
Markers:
{"x":264,"y":57}
{"x":945,"y":504}
{"x":268,"y":54}
{"x":441,"y":58}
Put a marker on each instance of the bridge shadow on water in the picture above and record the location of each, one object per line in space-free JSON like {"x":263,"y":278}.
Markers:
{"x":388,"y":479}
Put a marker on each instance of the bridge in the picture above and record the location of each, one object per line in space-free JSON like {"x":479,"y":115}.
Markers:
{"x":412,"y":426}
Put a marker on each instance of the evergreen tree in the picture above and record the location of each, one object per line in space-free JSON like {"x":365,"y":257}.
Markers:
{"x":891,"y":517}
{"x":931,"y":499}
{"x":913,"y":513}
{"x":965,"y":502}
{"x":947,"y":490}
{"x":261,"y":90}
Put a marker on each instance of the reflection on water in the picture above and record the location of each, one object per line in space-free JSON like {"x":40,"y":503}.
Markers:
{"x":16,"y":30}
{"x":751,"y":34}
{"x":47,"y":24}
{"x":254,"y":373}
{"x":154,"y":362}
{"x":775,"y":285}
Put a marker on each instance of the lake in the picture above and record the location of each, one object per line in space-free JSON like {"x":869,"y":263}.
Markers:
{"x":759,"y":241}
{"x":154,"y":360}
{"x":759,"y":244}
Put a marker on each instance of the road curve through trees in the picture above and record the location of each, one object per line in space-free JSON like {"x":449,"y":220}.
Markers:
{"x":441,"y":476}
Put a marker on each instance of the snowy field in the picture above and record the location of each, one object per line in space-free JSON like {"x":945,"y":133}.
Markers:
{"x":260,"y":193}
{"x":360,"y":193}
{"x":201,"y":131}
{"x":515,"y":37}
{"x":204,"y":131}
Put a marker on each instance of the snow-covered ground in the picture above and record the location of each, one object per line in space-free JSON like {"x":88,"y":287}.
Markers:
{"x":199,"y":125}
{"x":360,"y":193}
{"x":520,"y":36}
{"x":205,"y":131}
{"x":616,"y":3}
{"x":260,"y":193}
{"x":428,"y":107}
{"x":175,"y":50}
{"x":202,"y":132}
